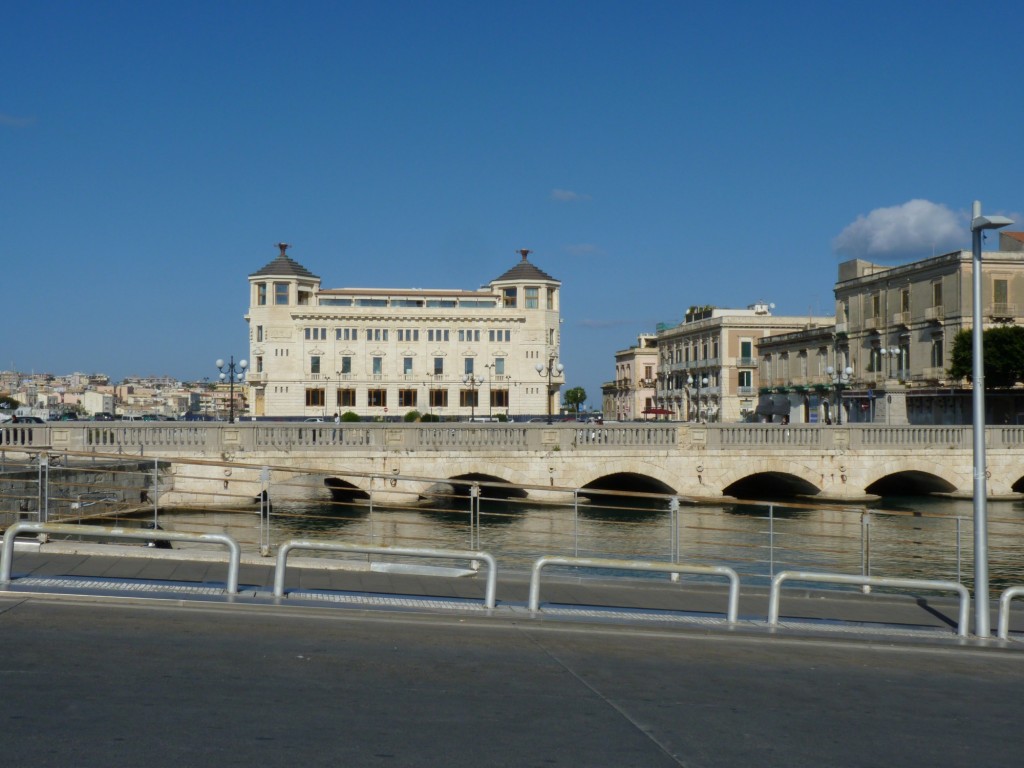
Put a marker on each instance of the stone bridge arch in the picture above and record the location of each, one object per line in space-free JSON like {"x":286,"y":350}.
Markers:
{"x":770,"y":476}
{"x":909,"y":478}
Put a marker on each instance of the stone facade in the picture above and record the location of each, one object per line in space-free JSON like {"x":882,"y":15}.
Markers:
{"x":383,"y":352}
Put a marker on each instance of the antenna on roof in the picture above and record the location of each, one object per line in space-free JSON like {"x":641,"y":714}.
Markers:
{"x":284,"y":247}
{"x":524,"y":252}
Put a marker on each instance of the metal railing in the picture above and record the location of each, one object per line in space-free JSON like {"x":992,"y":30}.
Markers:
{"x":1005,"y":599}
{"x":446,"y":554}
{"x":58,"y":529}
{"x":732,"y":610}
{"x":774,"y":598}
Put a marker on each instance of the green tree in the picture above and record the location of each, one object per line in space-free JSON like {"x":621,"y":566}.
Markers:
{"x":575,"y":397}
{"x":6,"y":401}
{"x":1003,"y":352}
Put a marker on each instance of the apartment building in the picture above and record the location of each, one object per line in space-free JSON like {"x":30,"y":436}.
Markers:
{"x":383,"y":352}
{"x":632,"y":394}
{"x":708,"y":368}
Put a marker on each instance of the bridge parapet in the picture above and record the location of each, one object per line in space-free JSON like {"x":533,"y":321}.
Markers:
{"x":131,"y":437}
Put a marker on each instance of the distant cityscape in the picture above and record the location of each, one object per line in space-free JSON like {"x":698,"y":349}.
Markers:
{"x":83,"y":395}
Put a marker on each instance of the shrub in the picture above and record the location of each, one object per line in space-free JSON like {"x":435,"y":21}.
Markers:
{"x":351,"y":416}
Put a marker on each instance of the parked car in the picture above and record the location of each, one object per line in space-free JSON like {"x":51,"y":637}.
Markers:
{"x":28,"y":420}
{"x":103,"y":416}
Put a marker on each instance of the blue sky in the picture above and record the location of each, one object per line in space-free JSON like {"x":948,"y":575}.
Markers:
{"x":653,"y":155}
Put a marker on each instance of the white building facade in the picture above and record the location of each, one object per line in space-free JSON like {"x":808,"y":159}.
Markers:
{"x":385,"y":352}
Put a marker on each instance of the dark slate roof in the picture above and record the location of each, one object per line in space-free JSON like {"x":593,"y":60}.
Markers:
{"x":284,"y":265}
{"x":524,"y":270}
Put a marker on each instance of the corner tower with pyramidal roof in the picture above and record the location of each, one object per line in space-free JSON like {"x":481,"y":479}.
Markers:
{"x":385,"y":352}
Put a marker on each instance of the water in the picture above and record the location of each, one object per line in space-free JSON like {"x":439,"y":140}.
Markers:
{"x":910,"y":537}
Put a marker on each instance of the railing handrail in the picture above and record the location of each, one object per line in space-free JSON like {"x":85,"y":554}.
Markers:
{"x":870,"y":581}
{"x":339,"y":546}
{"x":95,"y":531}
{"x":636,"y":565}
{"x":1004,"y":610}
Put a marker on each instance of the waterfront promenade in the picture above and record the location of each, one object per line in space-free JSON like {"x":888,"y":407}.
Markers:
{"x":111,"y":676}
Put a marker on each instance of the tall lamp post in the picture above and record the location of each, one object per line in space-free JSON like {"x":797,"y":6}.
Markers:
{"x":699,"y":380}
{"x":840,"y":379}
{"x":892,"y":353}
{"x":472,"y":382}
{"x":979,"y":224}
{"x":552,"y":369}
{"x":230,"y":372}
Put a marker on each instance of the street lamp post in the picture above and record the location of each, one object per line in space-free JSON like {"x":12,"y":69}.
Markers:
{"x":550,"y":370}
{"x":891,"y":354}
{"x":979,"y":224}
{"x":472,"y":382}
{"x":840,"y":379}
{"x":230,"y":372}
{"x":699,"y":380}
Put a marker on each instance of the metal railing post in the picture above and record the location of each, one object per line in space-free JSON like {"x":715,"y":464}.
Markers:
{"x":771,"y":541}
{"x":865,"y":549}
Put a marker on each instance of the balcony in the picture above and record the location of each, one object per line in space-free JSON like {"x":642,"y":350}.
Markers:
{"x":842,"y":328}
{"x":872,"y":323}
{"x":936,"y":374}
{"x":901,"y":318}
{"x":934,"y":313}
{"x":746,"y":391}
{"x":746,"y":362}
{"x":256,"y":378}
{"x":1001,"y":311}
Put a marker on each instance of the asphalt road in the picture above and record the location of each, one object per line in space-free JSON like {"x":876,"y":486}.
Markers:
{"x":166,"y":684}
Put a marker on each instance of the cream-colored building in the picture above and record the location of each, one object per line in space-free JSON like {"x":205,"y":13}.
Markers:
{"x":633,"y":390}
{"x":383,"y":352}
{"x":708,"y":365}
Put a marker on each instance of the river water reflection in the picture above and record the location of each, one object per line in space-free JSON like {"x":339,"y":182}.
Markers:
{"x":919,"y":537}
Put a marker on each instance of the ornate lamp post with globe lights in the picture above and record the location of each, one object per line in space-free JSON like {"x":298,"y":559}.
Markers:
{"x":840,"y":379}
{"x":229,"y":373}
{"x":690,"y":381}
{"x":472,"y":382}
{"x":551,"y":369}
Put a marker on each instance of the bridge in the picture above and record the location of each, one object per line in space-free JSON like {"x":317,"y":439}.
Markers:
{"x":836,"y":463}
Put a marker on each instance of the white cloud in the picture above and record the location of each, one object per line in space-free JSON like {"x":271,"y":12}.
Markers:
{"x":583,"y":249}
{"x":918,"y":228}
{"x":17,"y":122}
{"x":567,"y":196}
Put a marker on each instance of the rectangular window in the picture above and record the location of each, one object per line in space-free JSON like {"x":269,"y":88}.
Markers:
{"x":378,"y":366}
{"x":746,"y":348}
{"x":407,"y":398}
{"x":499,"y":398}
{"x":315,"y":398}
{"x":1001,"y":298}
{"x":936,"y":294}
{"x":259,"y":363}
{"x":499,"y":366}
{"x":308,"y":334}
{"x":439,"y":398}
{"x":261,"y":294}
{"x":468,"y":366}
{"x":438,"y":366}
{"x":347,"y":398}
{"x":469,"y":398}
{"x":314,"y":364}
{"x":377,"y":398}
{"x":407,"y":366}
{"x":937,"y":356}
{"x":745,"y":378}
{"x":346,"y":365}
{"x":509,"y":298}
{"x":281,"y":294}
{"x":551,"y":298}
{"x":532,"y":297}
{"x":259,"y":333}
